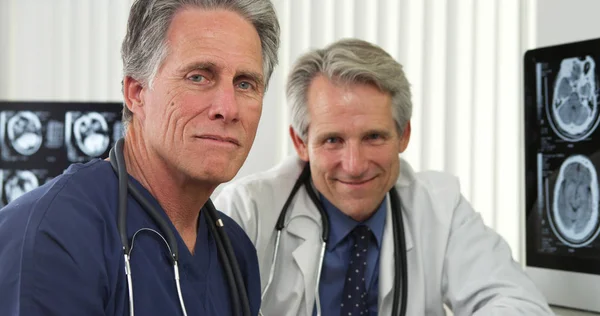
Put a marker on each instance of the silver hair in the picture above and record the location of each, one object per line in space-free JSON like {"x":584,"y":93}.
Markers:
{"x":348,"y":61}
{"x":144,"y":47}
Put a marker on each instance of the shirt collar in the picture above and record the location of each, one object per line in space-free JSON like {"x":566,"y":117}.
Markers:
{"x":341,"y":224}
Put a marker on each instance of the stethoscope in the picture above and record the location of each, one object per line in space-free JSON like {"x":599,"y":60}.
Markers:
{"x":225,"y":250}
{"x":400,"y":262}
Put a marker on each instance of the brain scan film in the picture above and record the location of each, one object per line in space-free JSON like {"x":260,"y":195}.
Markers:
{"x":91,"y":134}
{"x":24,"y":131}
{"x":40,"y":140}
{"x":561,"y":91}
{"x":574,"y":107}
{"x":575,"y":207}
{"x":88,"y":134}
{"x":19,"y":183}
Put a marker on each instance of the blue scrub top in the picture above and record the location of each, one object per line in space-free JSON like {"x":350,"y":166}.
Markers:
{"x":60,"y":254}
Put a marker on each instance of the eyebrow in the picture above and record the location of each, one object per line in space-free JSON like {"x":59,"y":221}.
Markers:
{"x":196,"y":66}
{"x":328,"y":135}
{"x":382,"y":132}
{"x":253,"y":75}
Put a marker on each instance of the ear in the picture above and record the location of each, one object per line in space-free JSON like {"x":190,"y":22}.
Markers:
{"x":404,"y":138}
{"x":299,"y":145}
{"x":132,"y":93}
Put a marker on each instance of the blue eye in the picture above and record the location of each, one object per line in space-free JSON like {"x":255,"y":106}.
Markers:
{"x":331,"y":140}
{"x":245,"y":85}
{"x":197,"y":78}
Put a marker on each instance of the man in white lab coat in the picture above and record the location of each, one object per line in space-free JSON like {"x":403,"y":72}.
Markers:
{"x":351,"y":109}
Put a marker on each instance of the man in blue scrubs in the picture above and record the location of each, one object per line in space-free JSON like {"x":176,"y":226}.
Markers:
{"x":195,"y":72}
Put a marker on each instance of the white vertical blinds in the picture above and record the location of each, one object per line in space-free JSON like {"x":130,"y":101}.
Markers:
{"x":462,"y":58}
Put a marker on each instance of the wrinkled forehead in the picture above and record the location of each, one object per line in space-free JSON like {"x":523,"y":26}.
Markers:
{"x":221,"y":37}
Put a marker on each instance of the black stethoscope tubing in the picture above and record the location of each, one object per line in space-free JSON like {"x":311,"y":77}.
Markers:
{"x":224,"y":248}
{"x":400,"y":260}
{"x":399,"y":251}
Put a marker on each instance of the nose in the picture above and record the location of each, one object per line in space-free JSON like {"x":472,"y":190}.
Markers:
{"x":224,"y":106}
{"x":354,"y":160}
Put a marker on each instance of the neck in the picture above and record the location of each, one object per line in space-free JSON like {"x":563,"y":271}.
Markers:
{"x":180,"y":196}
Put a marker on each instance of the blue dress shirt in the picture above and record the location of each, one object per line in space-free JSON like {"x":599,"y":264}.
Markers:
{"x":337,"y":258}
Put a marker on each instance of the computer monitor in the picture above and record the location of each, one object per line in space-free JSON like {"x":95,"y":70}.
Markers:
{"x":39,"y":140}
{"x":562,"y":172}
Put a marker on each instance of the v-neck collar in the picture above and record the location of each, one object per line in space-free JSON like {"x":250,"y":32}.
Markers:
{"x":202,"y":237}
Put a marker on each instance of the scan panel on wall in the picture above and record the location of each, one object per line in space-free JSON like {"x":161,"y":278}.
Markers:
{"x":16,"y":182}
{"x":562,"y":138}
{"x":39,"y":140}
{"x":90,"y":134}
{"x":30,"y":136}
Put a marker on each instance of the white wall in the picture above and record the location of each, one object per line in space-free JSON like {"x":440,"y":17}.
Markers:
{"x":61,"y":49}
{"x":563,"y":21}
{"x":462,"y":57}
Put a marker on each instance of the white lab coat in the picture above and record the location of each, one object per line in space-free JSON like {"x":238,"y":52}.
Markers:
{"x":453,"y":257}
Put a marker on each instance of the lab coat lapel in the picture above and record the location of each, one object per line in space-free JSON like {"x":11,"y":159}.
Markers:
{"x":305,"y":223}
{"x":387,"y":260}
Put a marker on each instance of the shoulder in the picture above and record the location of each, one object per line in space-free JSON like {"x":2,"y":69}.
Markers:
{"x":439,"y":183}
{"x":431,"y":199}
{"x":265,"y":183}
{"x":53,"y":231}
{"x":440,"y":187}
{"x":67,"y":191}
{"x":240,"y":241}
{"x":69,"y":209}
{"x":254,"y":198}
{"x":243,"y":247}
{"x":247,"y":259}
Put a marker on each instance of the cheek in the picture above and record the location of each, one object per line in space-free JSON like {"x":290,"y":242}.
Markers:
{"x":385,"y":155}
{"x":154,"y":105}
{"x":388,"y":160}
{"x":251,"y":112}
{"x":323,"y":161}
{"x":185,"y":103}
{"x":390,"y":163}
{"x":181,"y":108}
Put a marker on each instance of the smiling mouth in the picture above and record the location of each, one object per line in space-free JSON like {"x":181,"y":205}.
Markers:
{"x":356,"y":183}
{"x":221,"y":139}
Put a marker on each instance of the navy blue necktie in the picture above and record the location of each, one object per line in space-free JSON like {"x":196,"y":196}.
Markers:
{"x":354,"y":297}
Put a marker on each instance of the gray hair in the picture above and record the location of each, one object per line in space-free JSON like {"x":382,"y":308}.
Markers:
{"x":145,"y":47}
{"x":348,"y":61}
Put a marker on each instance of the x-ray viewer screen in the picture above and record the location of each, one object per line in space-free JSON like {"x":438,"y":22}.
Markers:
{"x":562,"y":157}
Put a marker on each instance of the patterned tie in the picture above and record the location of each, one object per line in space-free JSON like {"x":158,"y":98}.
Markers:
{"x":354,"y":299}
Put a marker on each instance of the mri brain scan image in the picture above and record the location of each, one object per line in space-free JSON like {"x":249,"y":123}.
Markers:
{"x":91,"y":134}
{"x":24,"y":131}
{"x":575,"y":205}
{"x":574,"y":111}
{"x":19,"y":183}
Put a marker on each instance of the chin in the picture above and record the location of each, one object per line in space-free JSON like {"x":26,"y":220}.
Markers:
{"x":225,"y":166}
{"x":361,"y":207}
{"x":219,"y":175}
{"x":208,"y":178}
{"x":211,"y":173}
